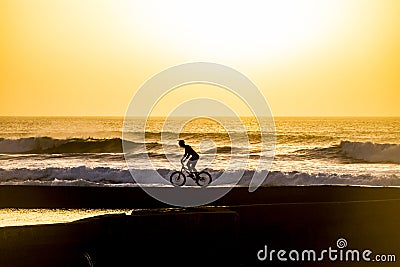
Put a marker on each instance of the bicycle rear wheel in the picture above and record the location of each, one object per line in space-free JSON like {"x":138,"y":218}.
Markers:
{"x":203,"y":178}
{"x":177,"y":178}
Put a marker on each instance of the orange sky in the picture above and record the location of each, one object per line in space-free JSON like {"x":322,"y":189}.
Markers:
{"x":309,"y":58}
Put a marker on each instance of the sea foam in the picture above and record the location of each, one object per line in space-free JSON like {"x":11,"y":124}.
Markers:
{"x":371,"y":152}
{"x":104,"y":176}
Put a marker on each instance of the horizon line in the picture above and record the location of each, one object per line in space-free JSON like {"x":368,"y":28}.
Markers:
{"x":245,"y":116}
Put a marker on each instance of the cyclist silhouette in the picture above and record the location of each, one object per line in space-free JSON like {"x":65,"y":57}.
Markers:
{"x":189,"y":152}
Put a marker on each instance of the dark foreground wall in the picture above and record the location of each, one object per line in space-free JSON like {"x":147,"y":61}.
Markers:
{"x":306,"y":220}
{"x":135,"y":197}
{"x":173,"y":238}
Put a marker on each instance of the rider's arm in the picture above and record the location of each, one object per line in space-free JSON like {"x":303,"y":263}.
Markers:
{"x":184,"y":157}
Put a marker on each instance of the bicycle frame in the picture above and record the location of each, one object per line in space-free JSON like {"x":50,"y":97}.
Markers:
{"x":186,"y":169}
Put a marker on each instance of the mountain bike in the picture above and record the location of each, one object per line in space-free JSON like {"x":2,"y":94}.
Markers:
{"x":178,"y":178}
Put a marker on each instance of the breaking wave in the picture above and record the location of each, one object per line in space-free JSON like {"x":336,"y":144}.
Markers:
{"x":371,"y":152}
{"x":48,"y":145}
{"x":350,"y":152}
{"x":104,"y":176}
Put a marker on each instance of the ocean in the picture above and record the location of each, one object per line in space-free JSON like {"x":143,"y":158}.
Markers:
{"x":88,"y":151}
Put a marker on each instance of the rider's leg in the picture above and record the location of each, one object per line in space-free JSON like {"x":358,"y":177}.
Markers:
{"x":194,"y":165}
{"x":191,"y":164}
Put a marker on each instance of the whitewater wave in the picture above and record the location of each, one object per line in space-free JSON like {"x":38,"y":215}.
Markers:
{"x":349,"y":152}
{"x":104,"y":176}
{"x":43,"y":145}
{"x":371,"y":152}
{"x":48,"y":145}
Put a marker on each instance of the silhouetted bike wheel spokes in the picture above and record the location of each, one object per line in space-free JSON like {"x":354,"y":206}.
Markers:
{"x":203,"y":178}
{"x":177,"y":178}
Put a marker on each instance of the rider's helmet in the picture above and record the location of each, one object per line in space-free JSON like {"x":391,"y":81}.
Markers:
{"x":181,"y":142}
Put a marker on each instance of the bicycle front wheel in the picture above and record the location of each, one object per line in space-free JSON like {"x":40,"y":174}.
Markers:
{"x":203,"y":178}
{"x":177,"y":178}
